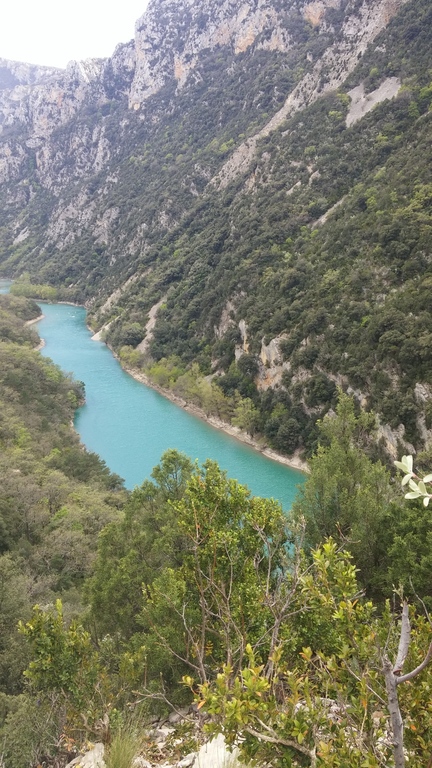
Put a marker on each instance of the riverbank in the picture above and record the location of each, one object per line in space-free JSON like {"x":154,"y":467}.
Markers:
{"x":32,"y":322}
{"x":294,"y":462}
{"x":131,"y":426}
{"x":35,"y":320}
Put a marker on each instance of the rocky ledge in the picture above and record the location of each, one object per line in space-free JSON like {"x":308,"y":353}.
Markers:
{"x":177,"y":741}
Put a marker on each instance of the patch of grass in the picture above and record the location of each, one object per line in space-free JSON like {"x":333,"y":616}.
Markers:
{"x":125,"y":745}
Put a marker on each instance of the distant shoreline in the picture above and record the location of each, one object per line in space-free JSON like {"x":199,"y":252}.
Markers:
{"x":32,"y":322}
{"x":35,"y":320}
{"x":294,"y":462}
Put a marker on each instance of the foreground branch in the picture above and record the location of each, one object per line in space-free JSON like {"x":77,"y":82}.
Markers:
{"x":393,"y":678}
{"x":310,"y":753}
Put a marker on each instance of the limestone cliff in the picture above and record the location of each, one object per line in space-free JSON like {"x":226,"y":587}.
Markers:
{"x":170,"y":42}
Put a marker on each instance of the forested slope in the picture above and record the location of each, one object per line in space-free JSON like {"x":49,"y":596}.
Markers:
{"x":54,"y":496}
{"x":200,"y":591}
{"x":116,"y":607}
{"x":236,"y":177}
{"x":274,"y":223}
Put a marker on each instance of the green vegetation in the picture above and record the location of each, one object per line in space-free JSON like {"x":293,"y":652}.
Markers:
{"x":54,"y":499}
{"x":307,"y":640}
{"x":277,"y":642}
{"x":190,"y":578}
{"x":219,"y":398}
{"x":124,"y":747}
{"x":326,"y":704}
{"x":347,"y":496}
{"x":24,"y":287}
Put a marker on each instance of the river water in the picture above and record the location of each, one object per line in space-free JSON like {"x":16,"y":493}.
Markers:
{"x":130,"y":425}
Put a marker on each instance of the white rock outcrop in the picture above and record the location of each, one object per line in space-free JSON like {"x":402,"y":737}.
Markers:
{"x":94,"y":758}
{"x":362,"y":103}
{"x":214,"y":754}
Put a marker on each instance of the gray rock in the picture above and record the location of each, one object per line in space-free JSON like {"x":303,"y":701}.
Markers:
{"x":178,"y":715}
{"x":187,"y":761}
{"x":174,"y":718}
{"x":141,"y":762}
{"x":161,"y":734}
{"x":91,"y":759}
{"x":215,"y":754}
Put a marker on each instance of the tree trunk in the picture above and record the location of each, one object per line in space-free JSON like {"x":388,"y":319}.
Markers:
{"x":395,"y":714}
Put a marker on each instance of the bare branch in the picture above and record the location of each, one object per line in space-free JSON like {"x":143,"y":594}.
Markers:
{"x":159,"y":696}
{"x":417,"y":670}
{"x":369,"y":687}
{"x":395,"y":713}
{"x":404,"y":640}
{"x":283,"y":742}
{"x":422,"y":603}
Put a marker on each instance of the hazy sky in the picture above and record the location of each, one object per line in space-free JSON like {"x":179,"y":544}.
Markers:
{"x":55,"y":31}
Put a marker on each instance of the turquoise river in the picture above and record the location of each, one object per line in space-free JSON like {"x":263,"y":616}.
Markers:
{"x":130,"y":425}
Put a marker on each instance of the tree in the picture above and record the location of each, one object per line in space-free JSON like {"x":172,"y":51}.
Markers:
{"x":331,"y":702}
{"x":64,"y":660}
{"x":409,"y":549}
{"x":172,"y":475}
{"x":246,"y":416}
{"x":394,"y":677}
{"x":133,"y":551}
{"x":66,"y":681}
{"x":14,"y":605}
{"x":346,"y":496}
{"x":205,"y":612}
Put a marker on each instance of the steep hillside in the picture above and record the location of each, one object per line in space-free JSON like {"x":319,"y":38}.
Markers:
{"x":253,"y":179}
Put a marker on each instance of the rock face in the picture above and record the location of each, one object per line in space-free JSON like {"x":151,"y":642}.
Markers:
{"x":362,"y":103}
{"x":198,"y":27}
{"x":43,"y":98}
{"x":170,"y":41}
{"x":214,"y":754}
{"x":339,"y":59}
{"x":272,"y":365}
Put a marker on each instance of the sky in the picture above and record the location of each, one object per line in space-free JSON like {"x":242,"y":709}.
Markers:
{"x":52,"y":32}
